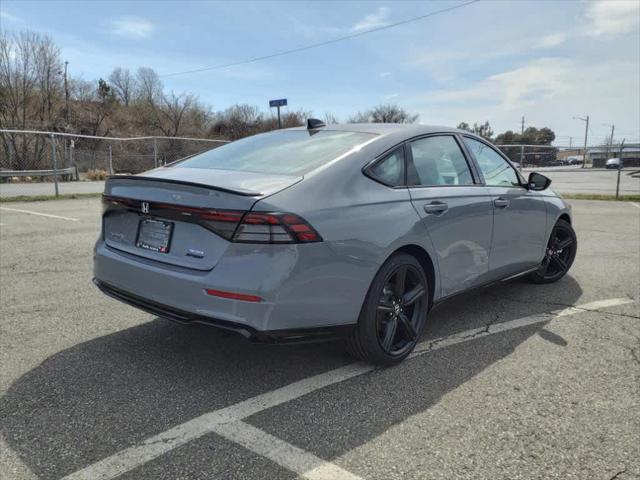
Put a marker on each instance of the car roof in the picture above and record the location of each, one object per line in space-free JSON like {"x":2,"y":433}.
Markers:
{"x":408,"y":129}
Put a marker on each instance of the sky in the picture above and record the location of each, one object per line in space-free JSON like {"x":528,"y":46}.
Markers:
{"x":492,"y":60}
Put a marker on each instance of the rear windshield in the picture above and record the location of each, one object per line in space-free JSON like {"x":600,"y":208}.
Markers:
{"x":287,"y":152}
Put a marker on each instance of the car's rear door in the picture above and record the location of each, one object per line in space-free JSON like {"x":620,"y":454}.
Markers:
{"x":520,"y":214}
{"x":455,"y":208}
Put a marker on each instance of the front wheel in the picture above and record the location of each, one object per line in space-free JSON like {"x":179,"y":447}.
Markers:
{"x":394,"y":313}
{"x":559,"y":256}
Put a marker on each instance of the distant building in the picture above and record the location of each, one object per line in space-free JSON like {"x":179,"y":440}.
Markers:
{"x":598,"y":156}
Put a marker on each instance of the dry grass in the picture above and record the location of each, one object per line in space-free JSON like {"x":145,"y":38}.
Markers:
{"x":96,"y":174}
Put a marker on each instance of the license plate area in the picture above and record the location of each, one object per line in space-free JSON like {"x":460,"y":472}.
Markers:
{"x":154,"y":235}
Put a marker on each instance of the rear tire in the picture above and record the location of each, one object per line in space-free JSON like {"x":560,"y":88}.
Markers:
{"x":394,"y":313}
{"x":559,"y":255}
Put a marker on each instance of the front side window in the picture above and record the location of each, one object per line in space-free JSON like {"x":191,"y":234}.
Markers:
{"x":438,"y":161}
{"x":390,"y":170}
{"x":285,"y":152}
{"x":495,"y":169}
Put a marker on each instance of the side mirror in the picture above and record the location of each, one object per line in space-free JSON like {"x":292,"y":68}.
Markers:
{"x":538,"y":182}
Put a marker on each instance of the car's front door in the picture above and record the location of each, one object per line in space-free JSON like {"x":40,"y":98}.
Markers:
{"x":455,"y":208}
{"x":520,"y":215}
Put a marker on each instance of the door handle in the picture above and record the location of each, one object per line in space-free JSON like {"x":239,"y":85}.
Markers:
{"x":436,"y":208}
{"x":501,"y":202}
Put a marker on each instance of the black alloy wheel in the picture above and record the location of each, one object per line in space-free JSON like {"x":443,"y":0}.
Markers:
{"x":394,"y":312}
{"x":399,"y":310}
{"x":559,"y":255}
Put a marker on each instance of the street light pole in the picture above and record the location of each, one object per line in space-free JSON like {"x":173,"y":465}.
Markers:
{"x":586,"y":132}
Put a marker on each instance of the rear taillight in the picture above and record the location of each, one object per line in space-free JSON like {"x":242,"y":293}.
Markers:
{"x":263,"y":227}
{"x":233,"y":225}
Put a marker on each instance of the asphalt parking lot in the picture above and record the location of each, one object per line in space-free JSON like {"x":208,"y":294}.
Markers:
{"x":597,"y":180}
{"x":511,"y":381}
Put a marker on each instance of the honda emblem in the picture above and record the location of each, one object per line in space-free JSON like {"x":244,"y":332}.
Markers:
{"x":144,"y":206}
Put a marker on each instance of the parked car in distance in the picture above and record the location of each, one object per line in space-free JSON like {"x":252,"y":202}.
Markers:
{"x":613,"y":163}
{"x":353,"y":231}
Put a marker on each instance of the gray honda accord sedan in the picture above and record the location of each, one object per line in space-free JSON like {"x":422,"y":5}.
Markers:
{"x":354,"y":231}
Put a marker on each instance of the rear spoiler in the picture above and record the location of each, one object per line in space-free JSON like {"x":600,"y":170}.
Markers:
{"x":246,"y":193}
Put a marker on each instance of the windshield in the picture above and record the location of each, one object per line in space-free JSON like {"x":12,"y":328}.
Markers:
{"x":288,"y":152}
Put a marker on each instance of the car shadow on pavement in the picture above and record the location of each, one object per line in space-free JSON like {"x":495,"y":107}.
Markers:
{"x":96,"y":398}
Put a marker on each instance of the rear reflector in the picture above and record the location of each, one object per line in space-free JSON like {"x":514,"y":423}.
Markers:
{"x":233,"y":295}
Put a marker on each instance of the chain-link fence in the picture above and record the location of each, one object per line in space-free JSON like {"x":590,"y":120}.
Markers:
{"x":537,"y":156}
{"x":34,"y":163}
{"x":46,"y":163}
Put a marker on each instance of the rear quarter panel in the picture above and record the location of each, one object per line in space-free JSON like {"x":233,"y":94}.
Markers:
{"x":361,"y":222}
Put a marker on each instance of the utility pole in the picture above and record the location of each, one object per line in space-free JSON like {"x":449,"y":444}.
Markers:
{"x":66,"y":94}
{"x":586,"y":132}
{"x":620,"y":165}
{"x":570,"y":142}
{"x":610,"y":142}
{"x":522,"y":148}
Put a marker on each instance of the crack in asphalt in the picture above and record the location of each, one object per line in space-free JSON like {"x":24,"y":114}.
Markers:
{"x":485,"y":329}
{"x":618,"y":474}
{"x":566,"y":305}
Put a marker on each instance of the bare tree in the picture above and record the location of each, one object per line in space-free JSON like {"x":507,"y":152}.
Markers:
{"x":29,"y":92}
{"x":330,"y":118}
{"x":289,"y":119}
{"x":386,"y":113}
{"x":123,"y":84}
{"x":170,"y":114}
{"x":391,"y":114}
{"x":96,"y":104}
{"x":149,"y":85}
{"x":238,"y":121}
{"x":360,"y":117}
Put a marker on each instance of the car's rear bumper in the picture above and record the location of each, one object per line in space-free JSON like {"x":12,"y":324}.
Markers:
{"x":301,"y":287}
{"x":274,"y":336}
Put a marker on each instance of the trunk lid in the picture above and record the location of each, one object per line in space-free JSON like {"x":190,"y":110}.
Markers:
{"x":167,"y":205}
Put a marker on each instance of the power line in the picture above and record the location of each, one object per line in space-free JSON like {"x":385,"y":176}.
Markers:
{"x":321,"y":44}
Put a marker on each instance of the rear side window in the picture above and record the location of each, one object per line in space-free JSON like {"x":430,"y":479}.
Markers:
{"x":390,"y":170}
{"x":495,"y":169}
{"x":438,"y":161}
{"x":286,"y":152}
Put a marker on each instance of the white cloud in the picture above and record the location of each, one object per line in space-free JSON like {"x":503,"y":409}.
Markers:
{"x":552,"y":40}
{"x":391,"y":96}
{"x":514,"y":88}
{"x":548,"y":92}
{"x":384,"y":74}
{"x":373,"y":20}
{"x":131,"y":27}
{"x":612,"y":17}
{"x":9,"y":17}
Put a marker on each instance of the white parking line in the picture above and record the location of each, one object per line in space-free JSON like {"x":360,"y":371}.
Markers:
{"x":136,"y":455}
{"x":284,"y":454}
{"x":637,"y":205}
{"x":29,"y":212}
